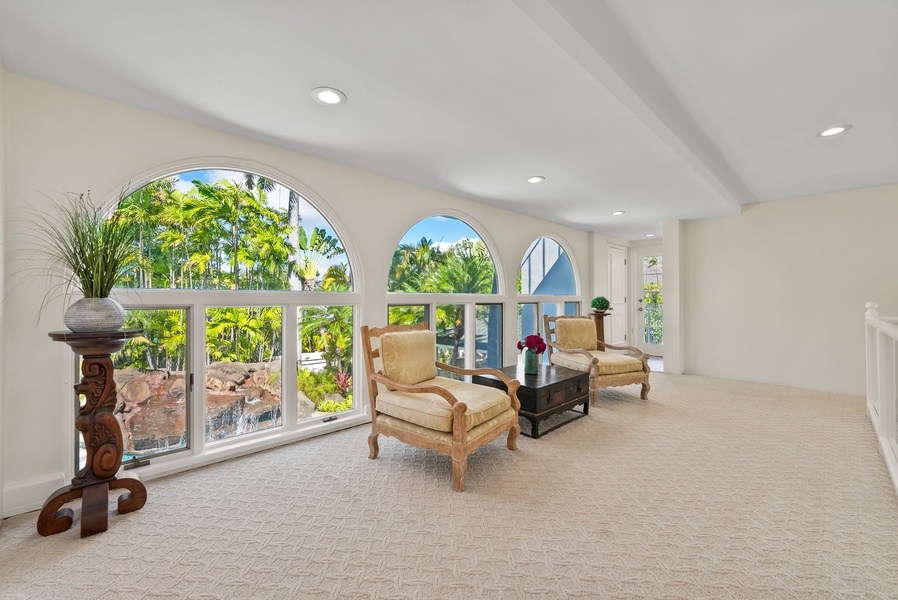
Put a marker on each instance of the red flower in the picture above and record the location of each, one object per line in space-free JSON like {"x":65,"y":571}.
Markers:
{"x":533,"y":343}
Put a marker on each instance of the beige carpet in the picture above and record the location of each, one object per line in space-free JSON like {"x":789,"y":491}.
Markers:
{"x":710,"y":489}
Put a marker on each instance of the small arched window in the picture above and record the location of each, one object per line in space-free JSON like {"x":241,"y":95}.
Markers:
{"x":546,"y":273}
{"x":546,"y":270}
{"x":436,"y":260}
{"x":442,"y":255}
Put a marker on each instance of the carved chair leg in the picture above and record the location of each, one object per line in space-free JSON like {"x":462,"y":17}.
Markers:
{"x":372,"y":444}
{"x":645,"y":390}
{"x":459,"y":468}
{"x":593,"y":389}
{"x":513,"y":436}
{"x":593,"y":395}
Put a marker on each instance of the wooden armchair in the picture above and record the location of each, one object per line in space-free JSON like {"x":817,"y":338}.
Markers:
{"x":412,"y":404}
{"x":573,"y":343}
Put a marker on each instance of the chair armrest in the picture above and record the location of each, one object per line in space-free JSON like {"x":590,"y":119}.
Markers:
{"x":582,"y":351}
{"x":494,"y":372}
{"x":414,"y":389}
{"x":639,"y":353}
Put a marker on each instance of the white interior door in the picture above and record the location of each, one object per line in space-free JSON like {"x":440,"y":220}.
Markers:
{"x":616,"y":322}
{"x":648,"y":280}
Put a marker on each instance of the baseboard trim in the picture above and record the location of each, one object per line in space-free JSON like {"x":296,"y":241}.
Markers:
{"x":26,"y":496}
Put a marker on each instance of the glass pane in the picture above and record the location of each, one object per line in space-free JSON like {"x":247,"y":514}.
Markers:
{"x":451,"y":334}
{"x":243,"y":370}
{"x":324,"y":368}
{"x":527,"y":323}
{"x":222,"y":229}
{"x":571,"y":309}
{"x":489,"y":336}
{"x":550,"y":308}
{"x":546,"y":269}
{"x":442,"y":255}
{"x":653,"y":295}
{"x":407,"y":314}
{"x":151,"y":386}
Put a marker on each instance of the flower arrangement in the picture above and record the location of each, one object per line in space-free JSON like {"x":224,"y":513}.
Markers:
{"x":533,"y":343}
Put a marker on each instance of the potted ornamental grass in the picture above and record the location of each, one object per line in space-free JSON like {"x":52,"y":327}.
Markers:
{"x":600,"y":304}
{"x":88,"y":251}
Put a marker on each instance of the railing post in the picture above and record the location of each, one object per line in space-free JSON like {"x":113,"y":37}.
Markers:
{"x":882,"y":386}
{"x":872,"y":335}
{"x":886,"y":367}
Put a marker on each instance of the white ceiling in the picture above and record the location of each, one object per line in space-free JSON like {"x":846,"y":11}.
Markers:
{"x":673,"y":109}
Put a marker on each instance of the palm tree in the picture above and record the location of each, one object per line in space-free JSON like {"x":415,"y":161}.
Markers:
{"x":467,"y":268}
{"x":410,"y":265}
{"x":314,"y":252}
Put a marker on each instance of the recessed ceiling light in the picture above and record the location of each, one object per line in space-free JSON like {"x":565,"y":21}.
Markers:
{"x":650,"y":235}
{"x":618,"y":213}
{"x":834,"y":130}
{"x":328,"y":95}
{"x":536,"y":179}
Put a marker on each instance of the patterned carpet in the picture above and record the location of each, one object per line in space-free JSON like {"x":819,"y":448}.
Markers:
{"x":710,"y":489}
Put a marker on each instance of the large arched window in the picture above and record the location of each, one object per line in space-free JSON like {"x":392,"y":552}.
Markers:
{"x":221,"y":229}
{"x":546,"y":276}
{"x":442,"y":273}
{"x":241,"y":290}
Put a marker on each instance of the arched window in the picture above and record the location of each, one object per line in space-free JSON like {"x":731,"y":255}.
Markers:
{"x":231,"y":258}
{"x":442,"y":273}
{"x":221,"y":229}
{"x":547,"y":276}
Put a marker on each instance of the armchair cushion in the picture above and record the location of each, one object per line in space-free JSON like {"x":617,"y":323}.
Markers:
{"x":434,"y":412}
{"x":575,"y":333}
{"x":408,"y":356}
{"x":609,"y":362}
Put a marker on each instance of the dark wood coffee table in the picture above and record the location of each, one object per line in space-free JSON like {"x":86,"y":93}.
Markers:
{"x":551,"y":391}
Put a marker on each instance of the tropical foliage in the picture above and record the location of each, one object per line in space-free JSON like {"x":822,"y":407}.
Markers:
{"x":653,"y":295}
{"x":225,"y":235}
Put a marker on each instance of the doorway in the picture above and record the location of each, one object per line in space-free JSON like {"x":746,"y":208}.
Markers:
{"x":616,"y":321}
{"x":648,"y":278}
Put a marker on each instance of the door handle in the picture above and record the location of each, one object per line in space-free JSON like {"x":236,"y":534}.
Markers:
{"x":639,"y":309}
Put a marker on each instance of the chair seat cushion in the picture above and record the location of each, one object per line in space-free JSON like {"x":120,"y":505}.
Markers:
{"x":444,"y":437}
{"x":609,"y":362}
{"x":432,"y":411}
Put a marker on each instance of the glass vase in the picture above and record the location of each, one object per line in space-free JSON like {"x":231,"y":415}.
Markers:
{"x":531,"y":362}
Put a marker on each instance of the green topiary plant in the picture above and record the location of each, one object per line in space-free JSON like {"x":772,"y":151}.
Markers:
{"x":601,"y":303}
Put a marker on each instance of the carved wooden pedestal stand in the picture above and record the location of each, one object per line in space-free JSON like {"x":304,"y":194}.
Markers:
{"x":102,"y":439}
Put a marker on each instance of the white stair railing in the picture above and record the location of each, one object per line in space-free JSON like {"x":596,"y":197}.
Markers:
{"x":882,"y":392}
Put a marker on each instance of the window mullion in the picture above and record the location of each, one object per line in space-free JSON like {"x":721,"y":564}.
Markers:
{"x":470,"y":334}
{"x":197,"y":368}
{"x":289,"y":357}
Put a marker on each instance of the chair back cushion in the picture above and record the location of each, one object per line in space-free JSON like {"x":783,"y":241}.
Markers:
{"x":575,"y":333}
{"x":408,"y":356}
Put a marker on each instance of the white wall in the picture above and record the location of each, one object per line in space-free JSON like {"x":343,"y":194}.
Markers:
{"x":61,"y":140}
{"x":3,"y":182}
{"x":673,"y":289}
{"x":776,"y":294}
{"x":600,"y":267}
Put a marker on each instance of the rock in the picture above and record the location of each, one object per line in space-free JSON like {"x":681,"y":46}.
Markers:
{"x":240,"y":398}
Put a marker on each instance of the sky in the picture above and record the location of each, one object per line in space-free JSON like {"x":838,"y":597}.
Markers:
{"x":442,"y":231}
